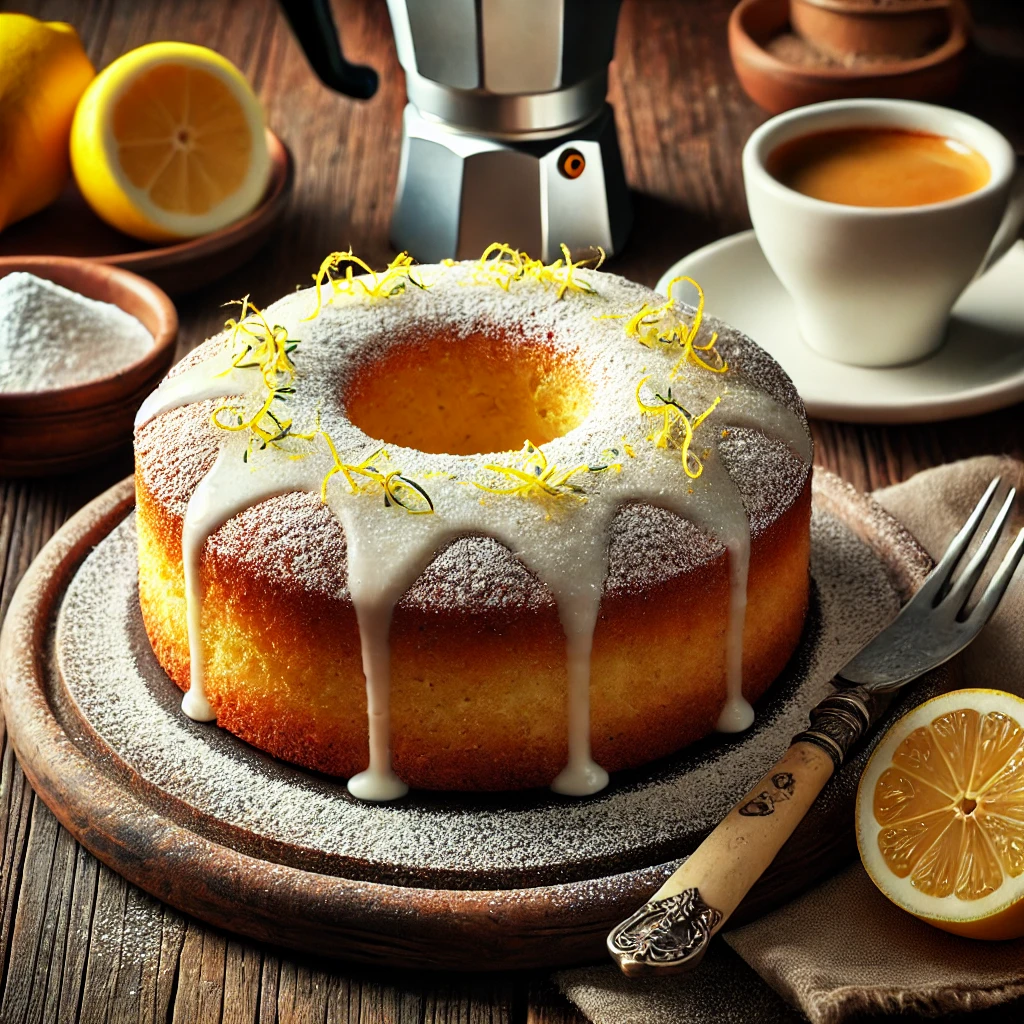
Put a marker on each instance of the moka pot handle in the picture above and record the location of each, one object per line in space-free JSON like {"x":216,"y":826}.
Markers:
{"x":314,"y":28}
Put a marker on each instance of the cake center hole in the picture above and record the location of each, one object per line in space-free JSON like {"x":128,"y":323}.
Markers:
{"x":469,"y":395}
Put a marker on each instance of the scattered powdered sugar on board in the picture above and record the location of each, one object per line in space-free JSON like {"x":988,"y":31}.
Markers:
{"x":52,"y":337}
{"x":273,"y":809}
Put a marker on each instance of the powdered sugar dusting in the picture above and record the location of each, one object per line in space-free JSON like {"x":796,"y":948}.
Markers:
{"x":52,"y":337}
{"x":534,"y":838}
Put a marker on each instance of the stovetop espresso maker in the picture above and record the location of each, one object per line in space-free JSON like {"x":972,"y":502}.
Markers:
{"x":507,"y":135}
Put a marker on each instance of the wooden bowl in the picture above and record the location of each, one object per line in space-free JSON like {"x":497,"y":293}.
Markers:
{"x":53,"y":431}
{"x":847,"y":29}
{"x":68,"y":227}
{"x":777,"y":85}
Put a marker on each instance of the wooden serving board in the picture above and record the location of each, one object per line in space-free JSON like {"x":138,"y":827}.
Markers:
{"x":238,"y":839}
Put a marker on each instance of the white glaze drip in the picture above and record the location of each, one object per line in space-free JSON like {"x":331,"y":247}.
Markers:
{"x":582,"y":775}
{"x":212,"y":378}
{"x":230,"y":487}
{"x":565,"y":545}
{"x":762,"y":413}
{"x":578,"y":594}
{"x":378,"y":781}
{"x":729,"y":525}
{"x":376,"y":583}
{"x":737,"y":713}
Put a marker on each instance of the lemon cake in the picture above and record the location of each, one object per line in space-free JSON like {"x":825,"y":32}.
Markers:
{"x":476,"y":526}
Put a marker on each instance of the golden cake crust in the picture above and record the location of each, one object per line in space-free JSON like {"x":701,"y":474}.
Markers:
{"x":478,"y":693}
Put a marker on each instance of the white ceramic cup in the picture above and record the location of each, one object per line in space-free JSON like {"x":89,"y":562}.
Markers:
{"x":874,"y":286}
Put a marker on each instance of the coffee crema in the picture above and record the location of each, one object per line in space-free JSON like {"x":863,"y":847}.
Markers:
{"x":878,"y":167}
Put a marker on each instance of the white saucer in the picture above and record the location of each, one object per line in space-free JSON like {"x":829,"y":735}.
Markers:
{"x":980,"y":368}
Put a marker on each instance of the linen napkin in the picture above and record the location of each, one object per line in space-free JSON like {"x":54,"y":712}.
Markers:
{"x":843,"y":950}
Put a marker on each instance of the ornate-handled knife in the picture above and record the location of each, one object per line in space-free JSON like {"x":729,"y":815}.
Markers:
{"x":671,"y":932}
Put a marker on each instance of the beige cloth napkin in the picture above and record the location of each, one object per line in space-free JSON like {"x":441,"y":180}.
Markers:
{"x":843,"y":950}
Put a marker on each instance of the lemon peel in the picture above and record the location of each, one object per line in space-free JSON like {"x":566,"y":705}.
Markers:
{"x":391,"y":281}
{"x":648,"y":326}
{"x":502,"y":265}
{"x":398,"y":490}
{"x":674,"y":415}
{"x":538,"y":478}
{"x":255,"y":344}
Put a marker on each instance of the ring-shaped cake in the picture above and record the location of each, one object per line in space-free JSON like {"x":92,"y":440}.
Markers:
{"x":474,"y":526}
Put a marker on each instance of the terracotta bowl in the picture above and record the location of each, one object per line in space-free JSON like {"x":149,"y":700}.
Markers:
{"x":865,"y":28}
{"x":52,"y":431}
{"x":68,"y":227}
{"x":777,"y":85}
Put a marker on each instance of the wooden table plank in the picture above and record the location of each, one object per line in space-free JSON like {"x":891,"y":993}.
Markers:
{"x":75,"y":940}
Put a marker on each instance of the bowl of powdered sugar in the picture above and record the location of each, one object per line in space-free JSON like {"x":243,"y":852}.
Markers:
{"x":81,"y":345}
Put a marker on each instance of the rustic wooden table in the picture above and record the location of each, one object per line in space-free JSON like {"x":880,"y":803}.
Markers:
{"x":76,"y":940}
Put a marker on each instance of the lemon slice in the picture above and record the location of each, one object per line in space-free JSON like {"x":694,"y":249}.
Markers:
{"x":168,"y":142}
{"x":940,"y":814}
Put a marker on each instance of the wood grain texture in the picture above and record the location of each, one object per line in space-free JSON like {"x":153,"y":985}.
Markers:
{"x":76,"y":942}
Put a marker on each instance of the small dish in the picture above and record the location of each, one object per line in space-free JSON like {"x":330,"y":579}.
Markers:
{"x":847,"y":29}
{"x":777,"y":85}
{"x":979,"y":368}
{"x":69,"y":228}
{"x":44,"y":432}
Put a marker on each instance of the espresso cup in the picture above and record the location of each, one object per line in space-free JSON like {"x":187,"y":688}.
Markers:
{"x":874,"y":286}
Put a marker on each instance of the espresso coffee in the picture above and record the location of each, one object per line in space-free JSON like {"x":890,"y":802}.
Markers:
{"x":878,"y":167}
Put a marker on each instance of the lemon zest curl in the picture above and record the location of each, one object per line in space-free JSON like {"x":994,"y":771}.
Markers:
{"x":502,"y":265}
{"x":398,"y":490}
{"x":673,"y":415}
{"x":538,"y":478}
{"x":256,"y":344}
{"x":391,"y":281}
{"x":648,"y":326}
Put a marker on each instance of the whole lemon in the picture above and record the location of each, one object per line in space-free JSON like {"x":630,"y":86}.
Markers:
{"x":43,"y":72}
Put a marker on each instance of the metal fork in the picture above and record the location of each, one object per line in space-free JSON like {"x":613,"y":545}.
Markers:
{"x":670,"y":933}
{"x":931,"y":627}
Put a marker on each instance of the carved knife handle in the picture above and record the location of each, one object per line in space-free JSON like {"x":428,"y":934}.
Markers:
{"x":670,"y":933}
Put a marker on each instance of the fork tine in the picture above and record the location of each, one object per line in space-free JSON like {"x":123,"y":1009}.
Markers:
{"x":938,"y":579}
{"x":997,"y":586}
{"x":939,"y":576}
{"x":961,"y":590}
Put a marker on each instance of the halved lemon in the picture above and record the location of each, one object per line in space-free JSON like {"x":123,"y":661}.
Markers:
{"x":168,"y":142}
{"x":940,"y":814}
